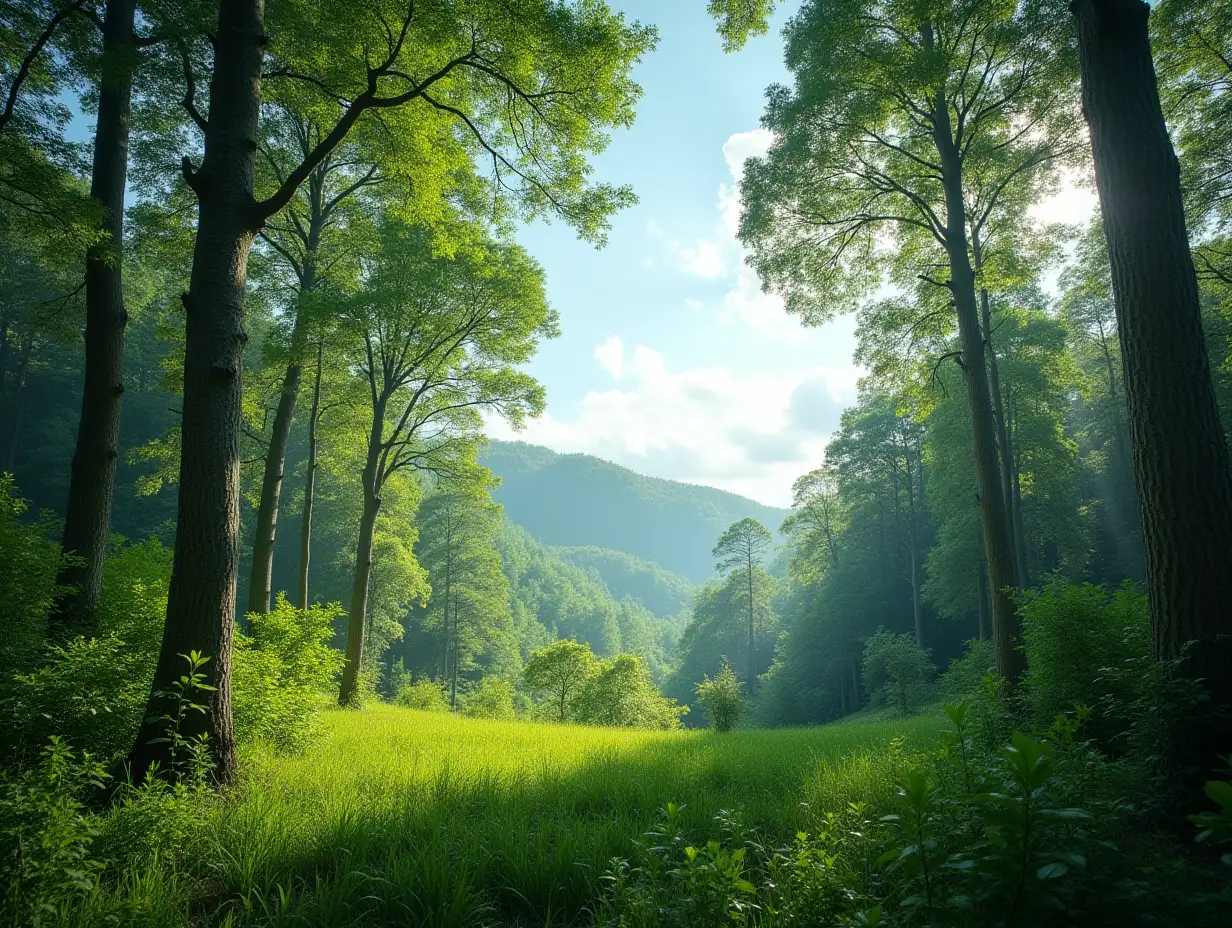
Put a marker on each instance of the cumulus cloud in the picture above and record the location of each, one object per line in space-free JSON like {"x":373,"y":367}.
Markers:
{"x":748,"y":433}
{"x":611,"y":355}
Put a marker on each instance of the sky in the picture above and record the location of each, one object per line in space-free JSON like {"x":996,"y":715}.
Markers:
{"x":671,"y":361}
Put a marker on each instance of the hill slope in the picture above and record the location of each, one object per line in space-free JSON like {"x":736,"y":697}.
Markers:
{"x":576,"y":500}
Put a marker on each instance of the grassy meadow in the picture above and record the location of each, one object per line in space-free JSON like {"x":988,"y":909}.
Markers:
{"x":404,"y":817}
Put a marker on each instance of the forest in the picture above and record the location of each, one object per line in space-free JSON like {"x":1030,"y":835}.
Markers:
{"x":295,"y":635}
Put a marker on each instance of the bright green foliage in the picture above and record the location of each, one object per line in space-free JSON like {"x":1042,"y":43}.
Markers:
{"x":1215,"y":827}
{"x":815,"y":525}
{"x":283,"y":672}
{"x":722,"y":697}
{"x":897,"y":670}
{"x":560,"y":674}
{"x":28,"y":565}
{"x":740,"y":20}
{"x":424,"y":695}
{"x":1086,"y":647}
{"x":491,"y":698}
{"x":619,"y":692}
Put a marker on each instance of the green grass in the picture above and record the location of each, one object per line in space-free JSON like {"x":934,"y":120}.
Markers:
{"x":405,"y":817}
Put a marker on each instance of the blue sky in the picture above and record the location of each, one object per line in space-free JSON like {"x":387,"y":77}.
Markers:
{"x":672,"y":362}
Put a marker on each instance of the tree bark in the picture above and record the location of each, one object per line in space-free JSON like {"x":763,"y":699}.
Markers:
{"x":1006,"y":452}
{"x":1181,"y":463}
{"x":92,"y":477}
{"x":201,"y":603}
{"x":983,"y":599}
{"x":994,"y":519}
{"x":310,"y":481}
{"x":357,"y":619}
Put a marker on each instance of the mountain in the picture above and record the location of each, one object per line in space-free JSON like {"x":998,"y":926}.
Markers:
{"x":658,"y":589}
{"x":575,"y":500}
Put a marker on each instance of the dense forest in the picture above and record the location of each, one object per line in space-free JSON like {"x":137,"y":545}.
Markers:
{"x":289,"y":638}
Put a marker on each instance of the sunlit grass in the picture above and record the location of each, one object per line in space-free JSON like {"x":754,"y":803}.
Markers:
{"x":405,"y":817}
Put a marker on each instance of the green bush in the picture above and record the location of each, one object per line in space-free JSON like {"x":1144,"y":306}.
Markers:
{"x":620,"y":692}
{"x":897,"y":670}
{"x":284,"y":672}
{"x":1086,"y":647}
{"x":423,"y":695}
{"x":722,"y":698}
{"x":491,"y":699}
{"x":965,"y":675}
{"x":28,"y":565}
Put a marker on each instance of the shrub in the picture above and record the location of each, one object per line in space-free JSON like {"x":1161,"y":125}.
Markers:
{"x":620,"y":692}
{"x":897,"y":670}
{"x":283,"y":673}
{"x":965,"y":675}
{"x":423,"y":695}
{"x":28,"y":565}
{"x":722,"y":698}
{"x":1086,"y":647}
{"x":559,"y":673}
{"x":491,"y":699}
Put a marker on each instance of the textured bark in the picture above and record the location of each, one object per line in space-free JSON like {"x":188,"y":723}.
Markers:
{"x":310,"y":481}
{"x":1181,"y":463}
{"x":201,"y":602}
{"x":994,"y":519}
{"x":92,"y":478}
{"x":983,"y":600}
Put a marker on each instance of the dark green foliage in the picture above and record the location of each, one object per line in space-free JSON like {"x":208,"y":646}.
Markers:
{"x":576,"y":499}
{"x":28,"y":565}
{"x":966,"y":673}
{"x":664,"y":593}
{"x":897,"y":670}
{"x":723,"y":698}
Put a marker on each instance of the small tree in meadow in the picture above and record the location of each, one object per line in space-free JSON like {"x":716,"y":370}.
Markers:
{"x":722,"y":698}
{"x":560,"y":672}
{"x":897,"y":669}
{"x":491,"y":699}
{"x":620,"y":692}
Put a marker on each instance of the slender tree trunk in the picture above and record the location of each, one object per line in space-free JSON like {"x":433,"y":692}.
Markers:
{"x":752,"y":640}
{"x":1181,"y":462}
{"x":994,"y":518}
{"x":19,"y":401}
{"x":453,"y":693}
{"x":917,"y":606}
{"x":357,"y":620}
{"x":1004,"y":448}
{"x":201,"y":602}
{"x":310,"y":481}
{"x":260,"y":585}
{"x":92,"y":478}
{"x":983,"y":599}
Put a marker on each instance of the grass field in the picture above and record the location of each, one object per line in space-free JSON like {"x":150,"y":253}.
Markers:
{"x":403,"y":817}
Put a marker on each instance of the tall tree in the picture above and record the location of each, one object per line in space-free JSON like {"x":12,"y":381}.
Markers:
{"x":1181,"y":462}
{"x":532,"y":88}
{"x":741,"y":549}
{"x":436,"y":341}
{"x":895,"y":105}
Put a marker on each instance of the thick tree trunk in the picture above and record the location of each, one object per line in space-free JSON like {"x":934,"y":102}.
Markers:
{"x":310,"y":481}
{"x":1181,"y":464}
{"x":994,"y":518}
{"x":92,"y":478}
{"x":1004,"y":448}
{"x":201,"y":603}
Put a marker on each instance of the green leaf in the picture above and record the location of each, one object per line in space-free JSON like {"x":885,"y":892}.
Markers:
{"x":1052,"y":871}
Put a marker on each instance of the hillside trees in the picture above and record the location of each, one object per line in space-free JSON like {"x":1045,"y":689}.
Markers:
{"x":532,"y":89}
{"x":740,"y":551}
{"x":560,"y":671}
{"x":895,"y":107}
{"x":1181,"y":461}
{"x":437,"y":341}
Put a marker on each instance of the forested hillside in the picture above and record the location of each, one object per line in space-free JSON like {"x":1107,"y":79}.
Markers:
{"x":579,"y":500}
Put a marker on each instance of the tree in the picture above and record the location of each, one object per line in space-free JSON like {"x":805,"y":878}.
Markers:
{"x":532,"y":88}
{"x":436,"y":341}
{"x":469,"y":606}
{"x":816,"y":523}
{"x":560,"y":672}
{"x":899,"y":667}
{"x":620,"y":693}
{"x":722,"y":698}
{"x":1181,"y":462}
{"x":898,"y":108}
{"x":740,"y":550}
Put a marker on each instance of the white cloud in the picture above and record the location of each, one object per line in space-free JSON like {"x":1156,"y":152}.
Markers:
{"x":705,"y":259}
{"x":738,"y":149}
{"x":611,"y":355}
{"x":748,"y":433}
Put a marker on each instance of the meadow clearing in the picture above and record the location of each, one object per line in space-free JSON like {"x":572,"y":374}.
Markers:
{"x":404,"y":817}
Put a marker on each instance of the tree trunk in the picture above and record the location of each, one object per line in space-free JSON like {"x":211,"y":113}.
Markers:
{"x":310,"y":481}
{"x":917,"y":606}
{"x":1004,"y":448}
{"x":357,"y":620}
{"x":752,"y":640}
{"x":994,"y":519}
{"x":983,"y":599}
{"x":201,"y":602}
{"x":261,"y":583}
{"x":92,"y":478}
{"x":1181,"y":463}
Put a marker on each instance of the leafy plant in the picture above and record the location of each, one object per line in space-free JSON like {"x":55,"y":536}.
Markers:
{"x":722,"y":698}
{"x":189,"y":757}
{"x":899,"y":669}
{"x":424,"y":695}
